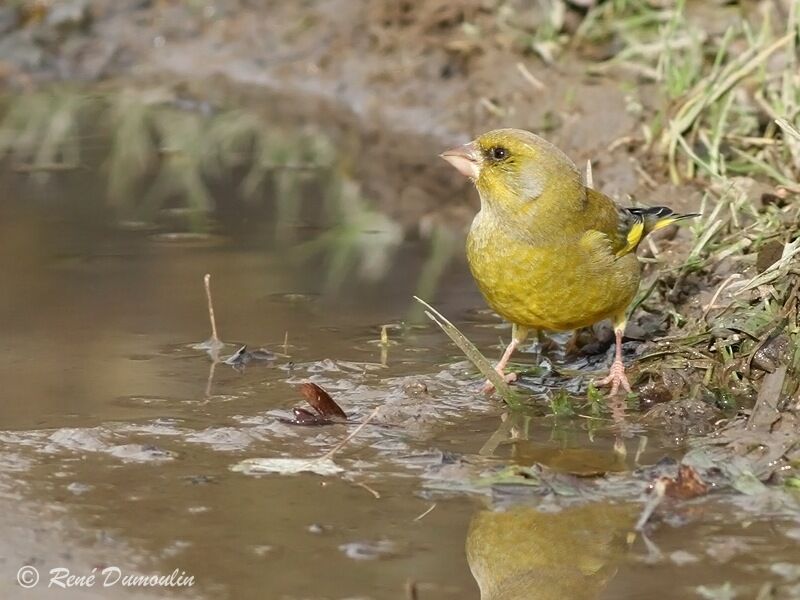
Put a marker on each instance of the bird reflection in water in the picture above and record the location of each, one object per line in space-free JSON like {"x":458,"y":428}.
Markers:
{"x":524,"y":553}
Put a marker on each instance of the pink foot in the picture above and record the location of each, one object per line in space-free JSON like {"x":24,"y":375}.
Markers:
{"x":616,"y":377}
{"x":488,"y":386}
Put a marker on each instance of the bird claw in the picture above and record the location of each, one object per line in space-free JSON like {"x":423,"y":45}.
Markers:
{"x":488,"y":386}
{"x":616,"y":378}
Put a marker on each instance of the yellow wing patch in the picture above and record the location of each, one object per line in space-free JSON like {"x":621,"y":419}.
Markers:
{"x":635,"y":235}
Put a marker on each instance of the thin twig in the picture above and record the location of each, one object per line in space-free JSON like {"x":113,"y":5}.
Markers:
{"x":375,"y":493}
{"x":645,"y":175}
{"x":659,"y":489}
{"x":653,"y":552}
{"x":621,"y":141}
{"x":207,"y":283}
{"x":40,"y":167}
{"x":426,"y":513}
{"x":492,"y":107}
{"x":210,"y":380}
{"x":530,"y":77}
{"x":340,"y":445}
{"x":719,"y":291}
{"x":651,"y":245}
{"x":787,"y":127}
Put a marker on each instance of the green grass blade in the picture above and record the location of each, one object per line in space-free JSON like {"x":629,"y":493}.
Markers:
{"x":472,"y":353}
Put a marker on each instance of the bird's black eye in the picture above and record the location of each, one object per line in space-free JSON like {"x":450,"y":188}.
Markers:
{"x":498,"y":153}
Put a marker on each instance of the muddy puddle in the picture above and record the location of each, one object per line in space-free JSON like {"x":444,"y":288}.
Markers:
{"x":122,"y":443}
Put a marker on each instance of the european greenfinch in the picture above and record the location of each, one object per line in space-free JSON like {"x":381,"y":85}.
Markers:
{"x":523,"y":553}
{"x":548,"y":252}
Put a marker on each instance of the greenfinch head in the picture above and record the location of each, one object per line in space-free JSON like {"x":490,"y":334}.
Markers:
{"x":511,"y":168}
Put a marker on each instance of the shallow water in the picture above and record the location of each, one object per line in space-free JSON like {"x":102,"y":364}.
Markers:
{"x":118,"y":436}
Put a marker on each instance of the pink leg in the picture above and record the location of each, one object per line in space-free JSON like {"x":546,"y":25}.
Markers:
{"x":616,"y":374}
{"x":488,"y":388}
{"x":501,"y":366}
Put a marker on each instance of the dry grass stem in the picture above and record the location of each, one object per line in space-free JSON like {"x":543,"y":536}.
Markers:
{"x":329,"y":455}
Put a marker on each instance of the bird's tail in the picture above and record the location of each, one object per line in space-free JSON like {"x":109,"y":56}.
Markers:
{"x":659,"y":216}
{"x":639,"y":222}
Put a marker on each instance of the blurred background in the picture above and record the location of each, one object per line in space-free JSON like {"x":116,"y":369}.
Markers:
{"x":291,"y":149}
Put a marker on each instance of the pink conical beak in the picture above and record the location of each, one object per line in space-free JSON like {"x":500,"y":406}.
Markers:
{"x":465,"y":159}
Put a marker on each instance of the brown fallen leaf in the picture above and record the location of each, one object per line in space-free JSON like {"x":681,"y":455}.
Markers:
{"x":686,"y":485}
{"x":306,"y":417}
{"x":321,"y":401}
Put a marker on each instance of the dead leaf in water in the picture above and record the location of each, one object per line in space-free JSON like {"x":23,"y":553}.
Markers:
{"x":321,"y":401}
{"x":327,"y":411}
{"x":243,"y":357}
{"x":306,"y":417}
{"x":323,"y":465}
{"x":686,"y":485}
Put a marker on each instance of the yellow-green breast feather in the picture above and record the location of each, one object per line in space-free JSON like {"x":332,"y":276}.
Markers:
{"x":546,"y":251}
